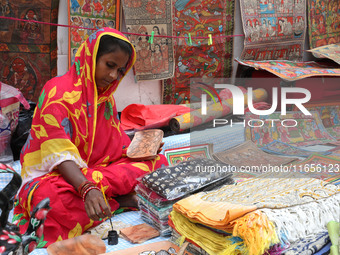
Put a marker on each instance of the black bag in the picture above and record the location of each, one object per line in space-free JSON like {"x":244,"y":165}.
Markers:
{"x":22,"y":130}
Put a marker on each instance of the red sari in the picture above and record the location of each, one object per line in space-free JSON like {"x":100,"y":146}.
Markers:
{"x":73,"y":121}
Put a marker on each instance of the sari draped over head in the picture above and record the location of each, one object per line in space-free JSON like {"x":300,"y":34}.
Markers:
{"x":75,"y":121}
{"x":65,"y":119}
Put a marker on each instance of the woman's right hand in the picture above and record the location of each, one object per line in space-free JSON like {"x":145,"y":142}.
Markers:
{"x":95,"y":205}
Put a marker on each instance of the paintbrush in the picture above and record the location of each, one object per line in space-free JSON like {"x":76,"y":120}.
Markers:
{"x":102,"y":189}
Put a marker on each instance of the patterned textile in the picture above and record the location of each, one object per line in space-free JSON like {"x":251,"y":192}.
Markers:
{"x":173,"y":182}
{"x":155,"y":59}
{"x":152,"y":196}
{"x":274,"y":29}
{"x":324,"y":250}
{"x":90,"y":14}
{"x":285,"y":149}
{"x":76,"y":121}
{"x":308,"y":129}
{"x":329,"y":113}
{"x":323,"y":22}
{"x":198,"y":59}
{"x":329,"y":51}
{"x":161,"y":212}
{"x":308,"y":245}
{"x":219,"y":208}
{"x":292,"y":71}
{"x":177,"y":155}
{"x":28,"y":51}
{"x":248,"y":155}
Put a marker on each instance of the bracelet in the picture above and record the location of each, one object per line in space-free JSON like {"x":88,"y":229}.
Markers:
{"x":83,"y":185}
{"x":86,"y":191}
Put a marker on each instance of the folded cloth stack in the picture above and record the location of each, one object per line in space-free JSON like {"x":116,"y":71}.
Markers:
{"x":266,"y":214}
{"x":154,"y":209}
{"x":159,"y":190}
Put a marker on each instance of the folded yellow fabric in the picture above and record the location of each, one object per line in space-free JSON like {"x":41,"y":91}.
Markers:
{"x":211,"y":242}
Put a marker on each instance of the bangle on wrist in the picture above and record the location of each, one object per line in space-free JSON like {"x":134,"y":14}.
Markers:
{"x":84,"y":185}
{"x":87,"y":190}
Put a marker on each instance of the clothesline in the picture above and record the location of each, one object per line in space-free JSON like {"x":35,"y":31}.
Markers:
{"x":127,"y":33}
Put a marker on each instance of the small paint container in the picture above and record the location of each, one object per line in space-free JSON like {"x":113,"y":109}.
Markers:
{"x":112,"y":238}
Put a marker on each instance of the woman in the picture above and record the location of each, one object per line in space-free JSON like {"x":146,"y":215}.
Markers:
{"x":76,"y":147}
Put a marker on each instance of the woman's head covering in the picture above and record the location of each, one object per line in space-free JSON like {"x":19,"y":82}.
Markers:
{"x":65,"y":119}
{"x":87,"y":54}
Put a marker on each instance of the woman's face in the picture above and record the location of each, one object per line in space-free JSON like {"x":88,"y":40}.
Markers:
{"x":109,"y":67}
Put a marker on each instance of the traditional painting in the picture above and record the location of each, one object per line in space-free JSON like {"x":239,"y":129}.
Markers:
{"x":293,"y":128}
{"x":331,"y":51}
{"x":290,"y":70}
{"x":249,"y":155}
{"x":329,"y":113}
{"x":176,"y":155}
{"x":274,"y":29}
{"x":324,"y":19}
{"x":150,"y":25}
{"x":86,"y":16}
{"x":285,"y":149}
{"x":28,"y":50}
{"x":195,"y":56}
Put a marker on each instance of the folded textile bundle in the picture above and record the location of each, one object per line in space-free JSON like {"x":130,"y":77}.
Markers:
{"x":262,"y":211}
{"x":192,"y":248}
{"x":156,"y":216}
{"x":159,"y":190}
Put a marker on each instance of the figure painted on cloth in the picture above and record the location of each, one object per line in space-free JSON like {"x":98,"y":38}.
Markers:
{"x":30,"y":31}
{"x":97,"y":7}
{"x":157,"y":60}
{"x":20,"y":74}
{"x":298,"y":26}
{"x":285,"y":27}
{"x":87,"y":7}
{"x":76,"y":148}
{"x":321,"y":27}
{"x":165,"y":53}
{"x":251,"y":7}
{"x":109,"y":8}
{"x":143,"y":64}
{"x":6,"y":11}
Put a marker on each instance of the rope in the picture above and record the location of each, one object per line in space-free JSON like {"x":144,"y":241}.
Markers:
{"x":78,"y":27}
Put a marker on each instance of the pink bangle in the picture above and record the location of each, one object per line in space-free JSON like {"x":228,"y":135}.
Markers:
{"x":87,"y":190}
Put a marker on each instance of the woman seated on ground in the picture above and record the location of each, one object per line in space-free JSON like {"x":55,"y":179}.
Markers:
{"x":76,"y":145}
